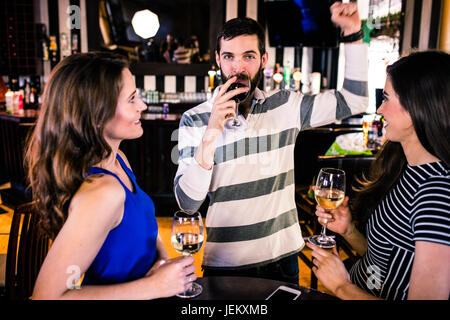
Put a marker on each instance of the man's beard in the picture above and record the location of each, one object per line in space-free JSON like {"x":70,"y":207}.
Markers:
{"x":254,"y":82}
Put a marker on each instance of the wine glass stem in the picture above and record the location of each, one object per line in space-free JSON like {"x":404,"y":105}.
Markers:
{"x":235,"y":122}
{"x":324,"y":229}
{"x":190,"y":287}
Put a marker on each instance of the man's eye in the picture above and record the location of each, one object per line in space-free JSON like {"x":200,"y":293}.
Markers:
{"x":131,"y":100}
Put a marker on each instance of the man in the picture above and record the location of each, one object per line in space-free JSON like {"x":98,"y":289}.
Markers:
{"x":182,"y":55}
{"x":252,"y":225}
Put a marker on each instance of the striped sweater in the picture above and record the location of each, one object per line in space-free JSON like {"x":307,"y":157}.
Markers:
{"x":252,"y":217}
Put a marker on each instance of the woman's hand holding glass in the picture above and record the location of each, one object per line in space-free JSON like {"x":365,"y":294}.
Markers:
{"x":172,"y":276}
{"x":187,"y":239}
{"x":338,"y":220}
{"x":329,"y":192}
{"x":329,"y":268}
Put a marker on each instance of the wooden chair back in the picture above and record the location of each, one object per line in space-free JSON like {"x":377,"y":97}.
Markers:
{"x":26,"y":252}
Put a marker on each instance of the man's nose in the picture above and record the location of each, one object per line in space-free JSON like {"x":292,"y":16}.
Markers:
{"x":238,"y":66}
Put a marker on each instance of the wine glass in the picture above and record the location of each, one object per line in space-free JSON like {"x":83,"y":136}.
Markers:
{"x":242,"y":80}
{"x":329,"y":193}
{"x":187,"y":239}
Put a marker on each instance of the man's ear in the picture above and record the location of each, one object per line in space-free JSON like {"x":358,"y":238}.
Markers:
{"x":264,"y":59}
{"x":217,"y":59}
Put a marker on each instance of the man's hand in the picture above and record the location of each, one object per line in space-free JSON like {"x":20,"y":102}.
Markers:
{"x":223,"y":108}
{"x":346,"y":16}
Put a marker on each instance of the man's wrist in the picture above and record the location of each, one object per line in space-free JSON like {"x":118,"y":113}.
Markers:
{"x":348,"y":31}
{"x":210,"y":135}
{"x":205,"y":154}
{"x":352,"y":36}
{"x":202,"y":163}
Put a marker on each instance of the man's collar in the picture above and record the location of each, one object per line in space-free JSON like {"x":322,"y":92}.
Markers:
{"x":260,"y":96}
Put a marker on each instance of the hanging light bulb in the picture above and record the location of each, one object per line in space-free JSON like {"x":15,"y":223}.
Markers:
{"x":145,"y":23}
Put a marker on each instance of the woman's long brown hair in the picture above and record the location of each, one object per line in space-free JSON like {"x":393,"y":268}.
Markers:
{"x":422,"y":84}
{"x":80,"y":97}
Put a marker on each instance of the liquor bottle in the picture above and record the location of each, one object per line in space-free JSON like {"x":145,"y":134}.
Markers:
{"x":74,"y":43}
{"x":27,"y":92}
{"x":20,"y":103}
{"x":9,"y":96}
{"x":33,"y":96}
{"x":53,"y":51}
{"x":287,"y":77}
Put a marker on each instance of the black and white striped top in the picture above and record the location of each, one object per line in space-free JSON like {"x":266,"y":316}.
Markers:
{"x":417,"y":209}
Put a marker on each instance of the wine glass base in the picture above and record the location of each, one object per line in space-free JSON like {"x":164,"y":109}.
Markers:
{"x":233,"y":124}
{"x":194,"y":291}
{"x":236,"y":124}
{"x":322,"y":241}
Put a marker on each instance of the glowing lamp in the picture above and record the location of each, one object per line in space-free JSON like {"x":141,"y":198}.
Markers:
{"x":145,"y":23}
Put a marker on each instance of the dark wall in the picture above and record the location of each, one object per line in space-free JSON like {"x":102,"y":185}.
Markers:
{"x":181,"y":18}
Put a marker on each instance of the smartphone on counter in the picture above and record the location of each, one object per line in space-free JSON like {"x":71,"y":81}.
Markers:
{"x":283,"y":293}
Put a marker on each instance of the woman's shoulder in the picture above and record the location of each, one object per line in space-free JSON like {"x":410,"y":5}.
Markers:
{"x":102,"y":187}
{"x":100,"y":193}
{"x":429,"y":175}
{"x":434,"y":187}
{"x":432,"y":196}
{"x":438,"y":178}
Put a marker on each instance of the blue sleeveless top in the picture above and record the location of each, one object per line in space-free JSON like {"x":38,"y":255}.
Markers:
{"x":129,"y":250}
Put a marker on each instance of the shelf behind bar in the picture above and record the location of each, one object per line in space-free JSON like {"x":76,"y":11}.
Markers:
{"x":162,"y":69}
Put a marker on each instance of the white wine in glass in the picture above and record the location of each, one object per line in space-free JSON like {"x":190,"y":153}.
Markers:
{"x":329,"y":199}
{"x":329,"y":193}
{"x":187,"y":239}
{"x":187,"y":243}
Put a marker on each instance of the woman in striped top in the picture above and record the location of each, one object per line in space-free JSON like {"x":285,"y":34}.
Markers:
{"x":405,"y":245}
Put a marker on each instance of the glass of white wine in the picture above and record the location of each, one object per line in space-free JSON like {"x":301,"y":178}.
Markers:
{"x":187,"y":239}
{"x":329,"y":193}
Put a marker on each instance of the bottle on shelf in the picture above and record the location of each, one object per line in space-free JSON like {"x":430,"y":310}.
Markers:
{"x":32,"y":96}
{"x":27,"y":92}
{"x":9,"y":96}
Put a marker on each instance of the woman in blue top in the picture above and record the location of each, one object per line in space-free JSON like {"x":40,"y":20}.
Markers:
{"x":103,"y":224}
